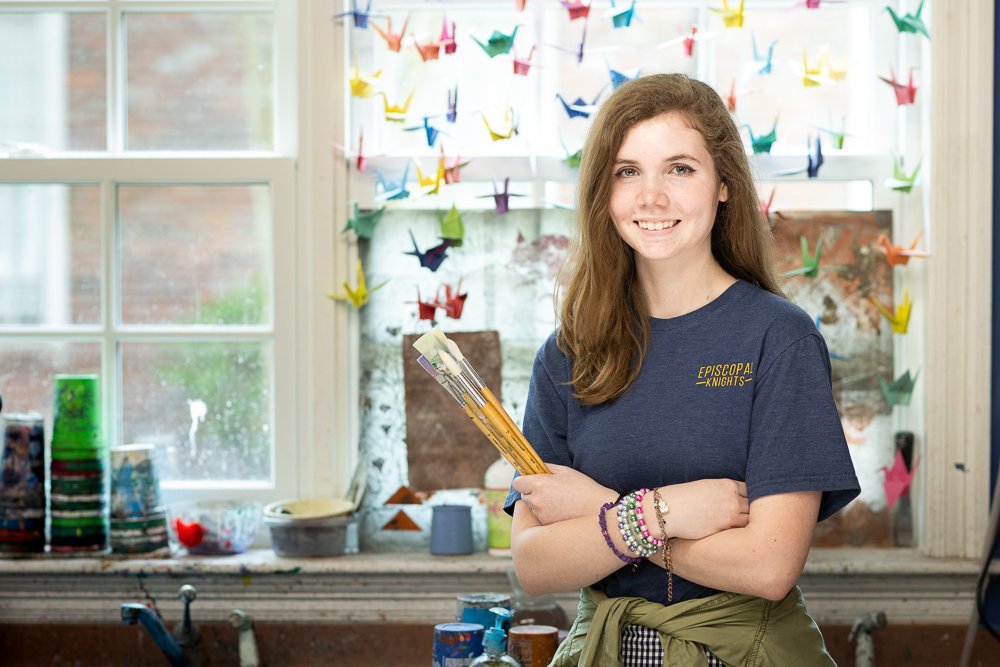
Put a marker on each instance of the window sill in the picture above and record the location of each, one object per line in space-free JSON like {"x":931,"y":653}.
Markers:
{"x":416,"y":587}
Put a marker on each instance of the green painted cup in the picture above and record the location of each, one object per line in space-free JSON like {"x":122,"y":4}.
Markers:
{"x":76,"y":414}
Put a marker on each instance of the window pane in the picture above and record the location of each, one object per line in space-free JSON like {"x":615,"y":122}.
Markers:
{"x":26,"y":376}
{"x":207,"y":407}
{"x":50,"y":254}
{"x":195,"y":254}
{"x":199,"y":81}
{"x":53,"y":64}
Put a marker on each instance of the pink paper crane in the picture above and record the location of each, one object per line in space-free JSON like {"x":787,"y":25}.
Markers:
{"x":906,"y":93}
{"x":447,"y":39}
{"x":393,"y":40}
{"x":523,"y":65}
{"x":898,"y":478}
{"x":576,"y":9}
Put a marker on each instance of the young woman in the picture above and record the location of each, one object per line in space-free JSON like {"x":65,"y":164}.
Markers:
{"x":684,"y":406}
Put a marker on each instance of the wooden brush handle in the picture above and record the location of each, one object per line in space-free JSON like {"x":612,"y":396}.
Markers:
{"x":505,"y":449}
{"x":512,"y":433}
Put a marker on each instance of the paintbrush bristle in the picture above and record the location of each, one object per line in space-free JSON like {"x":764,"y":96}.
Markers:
{"x":430,"y":346}
{"x":450,"y":363}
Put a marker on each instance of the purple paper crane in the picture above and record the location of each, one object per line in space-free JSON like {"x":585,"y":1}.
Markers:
{"x":360,"y":16}
{"x":432,"y":257}
{"x":501,"y":199}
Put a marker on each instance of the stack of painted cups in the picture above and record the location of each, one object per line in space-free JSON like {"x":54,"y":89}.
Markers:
{"x":22,"y":484}
{"x":138,"y":519}
{"x":79,"y":475}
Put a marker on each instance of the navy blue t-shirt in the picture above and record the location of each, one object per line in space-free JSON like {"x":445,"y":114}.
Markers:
{"x":739,"y":388}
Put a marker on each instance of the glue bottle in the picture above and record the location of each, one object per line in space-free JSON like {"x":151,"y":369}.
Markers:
{"x":496,"y":485}
{"x":495,"y":643}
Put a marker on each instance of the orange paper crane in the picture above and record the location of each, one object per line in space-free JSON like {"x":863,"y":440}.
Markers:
{"x":392,"y":39}
{"x":429,"y":51}
{"x":897,"y":255}
{"x":452,"y":168}
{"x":906,"y":93}
{"x":900,"y":317}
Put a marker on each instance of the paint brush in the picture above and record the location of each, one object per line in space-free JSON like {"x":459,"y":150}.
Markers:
{"x":444,"y":356}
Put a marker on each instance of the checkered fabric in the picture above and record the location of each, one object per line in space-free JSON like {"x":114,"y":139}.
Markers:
{"x":641,"y":648}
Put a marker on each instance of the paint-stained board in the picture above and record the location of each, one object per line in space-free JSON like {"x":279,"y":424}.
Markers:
{"x":445,"y":450}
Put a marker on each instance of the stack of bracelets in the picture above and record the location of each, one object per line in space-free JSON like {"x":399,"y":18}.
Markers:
{"x":636,"y":535}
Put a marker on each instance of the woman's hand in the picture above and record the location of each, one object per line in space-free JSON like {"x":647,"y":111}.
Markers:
{"x":704,"y":507}
{"x":565,"y":494}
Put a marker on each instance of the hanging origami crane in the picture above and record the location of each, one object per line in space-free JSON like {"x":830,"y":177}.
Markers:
{"x":810,"y":75}
{"x":827,"y":68}
{"x":900,"y":317}
{"x":762,"y":143}
{"x":430,"y":132}
{"x":452,"y":115}
{"x":362,"y":86}
{"x":813,"y":162}
{"x":900,"y":390}
{"x":522,"y":66}
{"x":911,"y":23}
{"x":498,"y":42}
{"x":426,"y":310}
{"x":731,"y":18}
{"x":687,"y":40}
{"x":510,"y":129}
{"x":361,"y":160}
{"x":387,"y":190}
{"x":454,"y":300}
{"x":452,"y":168}
{"x":432,"y":257}
{"x":358,"y":296}
{"x":619,"y":77}
{"x":572,"y":160}
{"x":428,"y":51}
{"x":621,"y":16}
{"x":763,"y":61}
{"x":898,"y":479}
{"x":430,"y":185}
{"x":396,"y":113}
{"x":906,"y":93}
{"x":363,"y":222}
{"x":501,"y":199}
{"x":765,"y":204}
{"x":581,"y":48}
{"x":811,"y":262}
{"x":451,"y":227}
{"x":360,"y":16}
{"x":580,"y":108}
{"x":901,"y":181}
{"x":447,"y":39}
{"x":897,"y":255}
{"x":393,"y":40}
{"x":577,"y":9}
{"x":837,"y":137}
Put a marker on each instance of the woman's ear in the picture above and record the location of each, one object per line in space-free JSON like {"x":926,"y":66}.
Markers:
{"x":723,"y":192}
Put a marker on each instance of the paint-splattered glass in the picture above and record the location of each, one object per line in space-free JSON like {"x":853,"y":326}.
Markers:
{"x":50,"y":255}
{"x":199,"y":81}
{"x":53,"y":74}
{"x":195,"y":254}
{"x":29,"y":368}
{"x":207,"y":406}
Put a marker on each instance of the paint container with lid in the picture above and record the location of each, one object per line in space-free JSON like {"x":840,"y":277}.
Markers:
{"x":457,"y":644}
{"x":475,"y":607}
{"x":532,"y":645}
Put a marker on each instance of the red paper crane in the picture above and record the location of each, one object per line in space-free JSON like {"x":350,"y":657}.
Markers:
{"x":576,"y":9}
{"x":453,"y":302}
{"x":897,"y":479}
{"x":906,"y":93}
{"x":426,"y":310}
{"x":393,"y":40}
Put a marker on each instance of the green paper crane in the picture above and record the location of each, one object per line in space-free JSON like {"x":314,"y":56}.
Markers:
{"x":901,"y":390}
{"x":901,"y":181}
{"x":763,"y":142}
{"x":498,"y":43}
{"x":363,"y":222}
{"x":911,"y":23}
{"x":451,"y":227}
{"x":837,"y":137}
{"x":810,"y":263}
{"x":572,"y":160}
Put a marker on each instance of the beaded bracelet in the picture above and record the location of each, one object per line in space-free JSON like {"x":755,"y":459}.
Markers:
{"x":633,"y":525}
{"x":661,"y":508}
{"x":603,"y":522}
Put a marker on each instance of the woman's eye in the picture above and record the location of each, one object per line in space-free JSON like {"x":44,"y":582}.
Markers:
{"x":626,"y":171}
{"x":683,"y":169}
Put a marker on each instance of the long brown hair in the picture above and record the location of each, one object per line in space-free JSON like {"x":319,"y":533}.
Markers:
{"x":604,"y":323}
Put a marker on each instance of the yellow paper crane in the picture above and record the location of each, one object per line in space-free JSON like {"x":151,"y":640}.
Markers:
{"x":900,"y":319}
{"x":358,"y":297}
{"x":396,"y":113}
{"x":731,"y":18}
{"x":432,"y":184}
{"x":361,"y":86}
{"x":811,"y":75}
{"x":510,"y":121}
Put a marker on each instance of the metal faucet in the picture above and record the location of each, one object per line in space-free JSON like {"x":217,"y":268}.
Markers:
{"x":181,"y":649}
{"x":242,"y":621}
{"x":861,"y":635}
